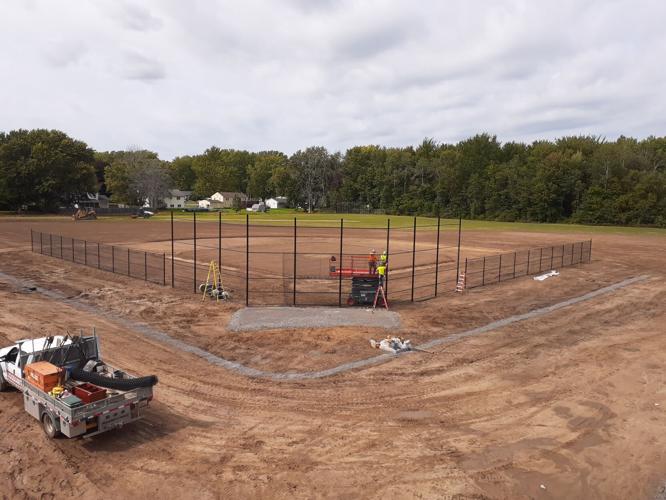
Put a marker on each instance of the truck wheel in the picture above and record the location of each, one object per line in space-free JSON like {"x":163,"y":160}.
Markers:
{"x":49,"y":426}
{"x":3,"y":384}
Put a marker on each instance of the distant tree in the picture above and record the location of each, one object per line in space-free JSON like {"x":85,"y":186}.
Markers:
{"x":221,"y":170}
{"x":260,"y":174}
{"x":136,"y":176}
{"x":314,"y":170}
{"x":43,"y":169}
{"x":182,"y":172}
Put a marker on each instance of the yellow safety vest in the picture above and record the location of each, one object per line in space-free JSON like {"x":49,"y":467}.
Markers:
{"x":381,"y":270}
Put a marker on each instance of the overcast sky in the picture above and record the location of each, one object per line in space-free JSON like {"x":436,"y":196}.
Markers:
{"x":177,"y":76}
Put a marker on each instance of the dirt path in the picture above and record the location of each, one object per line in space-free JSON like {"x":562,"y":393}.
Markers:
{"x":573,"y":400}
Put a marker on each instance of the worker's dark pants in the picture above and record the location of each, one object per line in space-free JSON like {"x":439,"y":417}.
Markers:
{"x":372,"y":267}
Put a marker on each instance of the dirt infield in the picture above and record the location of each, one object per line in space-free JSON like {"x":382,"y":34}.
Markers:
{"x":573,"y":400}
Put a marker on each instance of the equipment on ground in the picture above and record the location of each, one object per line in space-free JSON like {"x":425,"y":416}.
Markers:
{"x":213,"y":286}
{"x":85,"y":214}
{"x":460,"y":287}
{"x":394,"y":345}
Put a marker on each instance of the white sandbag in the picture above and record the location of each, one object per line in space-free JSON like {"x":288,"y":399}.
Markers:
{"x":543,"y":277}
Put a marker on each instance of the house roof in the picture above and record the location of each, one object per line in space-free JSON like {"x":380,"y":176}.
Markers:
{"x":178,"y":192}
{"x":232,"y":194}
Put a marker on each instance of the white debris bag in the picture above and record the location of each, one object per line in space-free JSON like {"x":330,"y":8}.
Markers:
{"x":394,"y":345}
{"x":543,"y":277}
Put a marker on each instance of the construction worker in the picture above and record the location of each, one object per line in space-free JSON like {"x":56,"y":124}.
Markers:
{"x":372,"y":262}
{"x":383,"y":259}
{"x":381,"y":271}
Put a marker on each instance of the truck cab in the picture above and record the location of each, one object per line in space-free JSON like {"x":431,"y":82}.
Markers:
{"x":14,"y":358}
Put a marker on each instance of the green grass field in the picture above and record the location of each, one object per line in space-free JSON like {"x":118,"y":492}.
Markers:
{"x":285,"y":217}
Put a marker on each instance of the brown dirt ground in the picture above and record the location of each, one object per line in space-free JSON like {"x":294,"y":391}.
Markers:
{"x":573,"y":400}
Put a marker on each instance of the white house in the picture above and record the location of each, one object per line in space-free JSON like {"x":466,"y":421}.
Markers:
{"x":204,"y":203}
{"x":226,"y":198}
{"x":277,"y":202}
{"x":176,"y":198}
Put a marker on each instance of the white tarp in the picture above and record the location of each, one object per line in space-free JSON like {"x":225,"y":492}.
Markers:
{"x":542,"y":277}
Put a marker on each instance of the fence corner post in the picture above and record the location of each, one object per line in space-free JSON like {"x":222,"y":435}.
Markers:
{"x":247,"y":259}
{"x":339,"y":266}
{"x":413,"y":259}
{"x":295,"y":254}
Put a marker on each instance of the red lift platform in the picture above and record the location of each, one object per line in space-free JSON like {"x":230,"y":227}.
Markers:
{"x":352,"y":266}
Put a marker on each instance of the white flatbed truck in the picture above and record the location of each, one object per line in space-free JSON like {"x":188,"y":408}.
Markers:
{"x":118,"y":408}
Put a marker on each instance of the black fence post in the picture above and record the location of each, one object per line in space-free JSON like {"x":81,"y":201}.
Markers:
{"x":50,"y":244}
{"x":413,"y":258}
{"x":219,"y":241}
{"x":41,"y":243}
{"x":163,"y":269}
{"x":388,"y":241}
{"x":540,"y":257}
{"x":514,"y":265}
{"x":499,"y":274}
{"x":173,"y":280}
{"x":73,"y":260}
{"x":342,"y":224}
{"x":458,"y":257}
{"x":85,"y":252}
{"x":61,"y":255}
{"x":465,"y":272}
{"x":589,"y":254}
{"x":529,"y":251}
{"x":98,"y":257}
{"x":562,"y":263}
{"x":194,"y":239}
{"x":129,"y":272}
{"x":552,"y":252}
{"x":580,"y":256}
{"x":483,"y":273}
{"x":113,"y":259}
{"x":437,"y":257}
{"x":247,"y":259}
{"x":145,"y":266}
{"x":32,"y":243}
{"x":295,"y":253}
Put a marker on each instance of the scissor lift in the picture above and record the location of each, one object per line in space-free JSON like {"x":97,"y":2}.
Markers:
{"x":364,"y":284}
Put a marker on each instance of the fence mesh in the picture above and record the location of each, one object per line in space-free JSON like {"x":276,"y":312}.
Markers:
{"x":502,"y":267}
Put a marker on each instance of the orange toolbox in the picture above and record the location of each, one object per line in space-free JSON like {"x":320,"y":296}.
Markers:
{"x":43,"y":375}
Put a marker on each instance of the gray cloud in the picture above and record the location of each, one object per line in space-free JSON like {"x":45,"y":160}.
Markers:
{"x":178,"y":77}
{"x":136,"y":17}
{"x":136,"y":66}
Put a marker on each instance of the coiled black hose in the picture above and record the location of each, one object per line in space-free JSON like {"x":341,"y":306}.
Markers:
{"x":119,"y":384}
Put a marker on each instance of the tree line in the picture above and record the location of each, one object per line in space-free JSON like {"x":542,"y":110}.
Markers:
{"x":582,"y":179}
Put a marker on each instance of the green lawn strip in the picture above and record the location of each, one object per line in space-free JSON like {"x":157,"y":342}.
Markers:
{"x":285,"y":217}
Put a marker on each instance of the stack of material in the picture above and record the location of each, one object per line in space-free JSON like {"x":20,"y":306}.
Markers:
{"x":43,"y":375}
{"x":393,"y":345}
